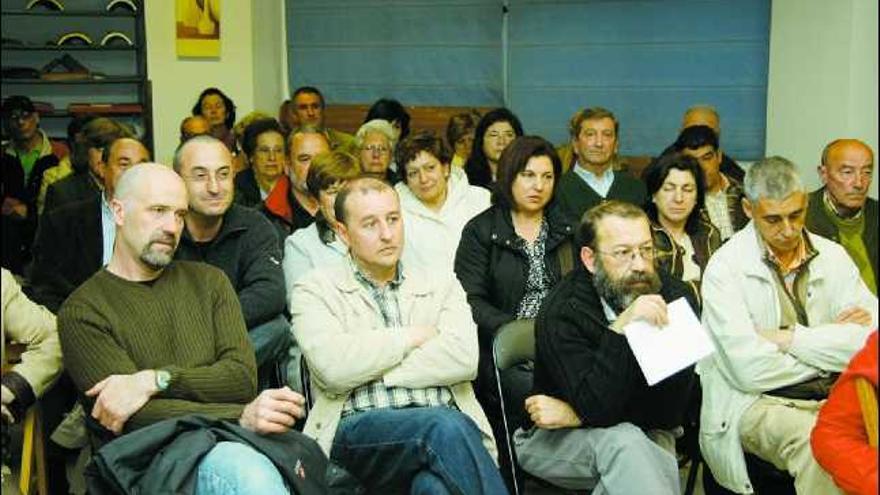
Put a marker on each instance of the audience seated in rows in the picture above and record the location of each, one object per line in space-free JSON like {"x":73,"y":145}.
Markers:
{"x":241,"y":242}
{"x":844,"y":440}
{"x":493,"y":133}
{"x":724,"y":195}
{"x":786,"y":310}
{"x":144,"y":377}
{"x":592,"y":178}
{"x":391,"y":348}
{"x":219,"y":110}
{"x":841,"y":210}
{"x":684,"y":239}
{"x":594,"y":421}
{"x":436,"y":202}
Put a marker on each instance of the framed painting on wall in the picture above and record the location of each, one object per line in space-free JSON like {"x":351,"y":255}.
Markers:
{"x":197,"y":25}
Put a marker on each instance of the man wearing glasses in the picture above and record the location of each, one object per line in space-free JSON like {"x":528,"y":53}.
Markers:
{"x":241,"y":242}
{"x":594,"y":421}
{"x":787,"y":310}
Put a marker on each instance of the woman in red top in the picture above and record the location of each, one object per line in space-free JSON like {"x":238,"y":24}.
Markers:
{"x":840,"y":439}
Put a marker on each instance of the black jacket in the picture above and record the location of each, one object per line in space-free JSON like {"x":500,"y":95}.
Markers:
{"x":494,"y":273}
{"x":71,"y":189}
{"x":247,"y":250}
{"x":68,"y":249}
{"x":575,"y":196}
{"x":581,"y":361}
{"x":164,"y":457}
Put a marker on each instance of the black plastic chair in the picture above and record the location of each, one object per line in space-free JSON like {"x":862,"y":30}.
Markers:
{"x":514,"y":345}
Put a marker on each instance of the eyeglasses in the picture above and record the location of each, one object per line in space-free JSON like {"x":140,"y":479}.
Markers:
{"x":628,"y":254}
{"x":376,"y":148}
{"x":268,"y":151}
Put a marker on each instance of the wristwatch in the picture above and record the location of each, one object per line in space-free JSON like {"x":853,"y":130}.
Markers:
{"x":163,"y":380}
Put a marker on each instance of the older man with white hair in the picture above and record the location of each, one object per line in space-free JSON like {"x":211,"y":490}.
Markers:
{"x":787,"y":310}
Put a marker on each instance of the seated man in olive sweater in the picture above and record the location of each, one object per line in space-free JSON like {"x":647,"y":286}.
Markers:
{"x":597,"y":424}
{"x":841,"y":210}
{"x":147,"y":338}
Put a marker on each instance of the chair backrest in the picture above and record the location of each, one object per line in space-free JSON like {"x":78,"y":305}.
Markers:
{"x":514,"y":344}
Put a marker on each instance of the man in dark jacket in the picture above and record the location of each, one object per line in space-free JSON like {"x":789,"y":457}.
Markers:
{"x":842,"y":210}
{"x":239,"y":241}
{"x":595,"y":419}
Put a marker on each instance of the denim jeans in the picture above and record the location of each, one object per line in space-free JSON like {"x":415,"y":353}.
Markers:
{"x":232,"y":468}
{"x":271,"y":341}
{"x":418,"y":450}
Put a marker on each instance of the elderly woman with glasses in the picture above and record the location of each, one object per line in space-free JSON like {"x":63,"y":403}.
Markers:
{"x":375,"y":141}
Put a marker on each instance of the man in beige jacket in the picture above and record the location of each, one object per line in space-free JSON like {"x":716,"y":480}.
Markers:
{"x":25,"y":322}
{"x":392,"y":351}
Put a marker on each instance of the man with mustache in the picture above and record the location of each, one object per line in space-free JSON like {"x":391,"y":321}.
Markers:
{"x":150,"y":338}
{"x":841,"y":210}
{"x":787,"y":310}
{"x":241,"y":242}
{"x":594,"y":421}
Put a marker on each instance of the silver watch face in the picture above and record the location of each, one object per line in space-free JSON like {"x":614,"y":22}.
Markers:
{"x":163,"y":379}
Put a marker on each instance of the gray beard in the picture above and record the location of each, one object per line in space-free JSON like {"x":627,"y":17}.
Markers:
{"x":619,"y":294}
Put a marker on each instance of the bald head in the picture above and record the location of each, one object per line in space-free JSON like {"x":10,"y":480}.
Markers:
{"x":702,"y":115}
{"x":192,"y":126}
{"x":846,"y":170}
{"x":148,"y":210}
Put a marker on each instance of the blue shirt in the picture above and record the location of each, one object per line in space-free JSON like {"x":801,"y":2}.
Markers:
{"x":600,"y":184}
{"x":108,"y":230}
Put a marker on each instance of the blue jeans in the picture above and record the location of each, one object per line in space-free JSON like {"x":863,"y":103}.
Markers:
{"x":418,"y":450}
{"x":271,"y":341}
{"x":232,"y":468}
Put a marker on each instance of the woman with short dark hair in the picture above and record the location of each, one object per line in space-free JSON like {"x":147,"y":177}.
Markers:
{"x":512,"y":254}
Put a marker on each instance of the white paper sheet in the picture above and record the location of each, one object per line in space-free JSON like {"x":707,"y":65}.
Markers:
{"x":661,"y":352}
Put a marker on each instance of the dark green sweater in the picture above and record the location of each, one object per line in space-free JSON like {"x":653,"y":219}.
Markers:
{"x":575,"y":196}
{"x":187,"y":322}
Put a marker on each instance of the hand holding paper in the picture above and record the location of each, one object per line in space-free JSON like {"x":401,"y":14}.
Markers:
{"x":663,"y":351}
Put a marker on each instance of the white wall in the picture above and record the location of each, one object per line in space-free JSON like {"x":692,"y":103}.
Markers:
{"x":270,"y":55}
{"x":823,"y":79}
{"x":177,"y":82}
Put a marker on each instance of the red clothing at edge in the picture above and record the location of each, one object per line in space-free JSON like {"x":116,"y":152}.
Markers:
{"x":839,"y":440}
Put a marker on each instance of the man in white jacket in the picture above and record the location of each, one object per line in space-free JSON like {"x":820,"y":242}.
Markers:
{"x":786,"y":310}
{"x":392,"y":349}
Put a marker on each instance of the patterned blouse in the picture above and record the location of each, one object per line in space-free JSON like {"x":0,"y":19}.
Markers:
{"x":538,"y":281}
